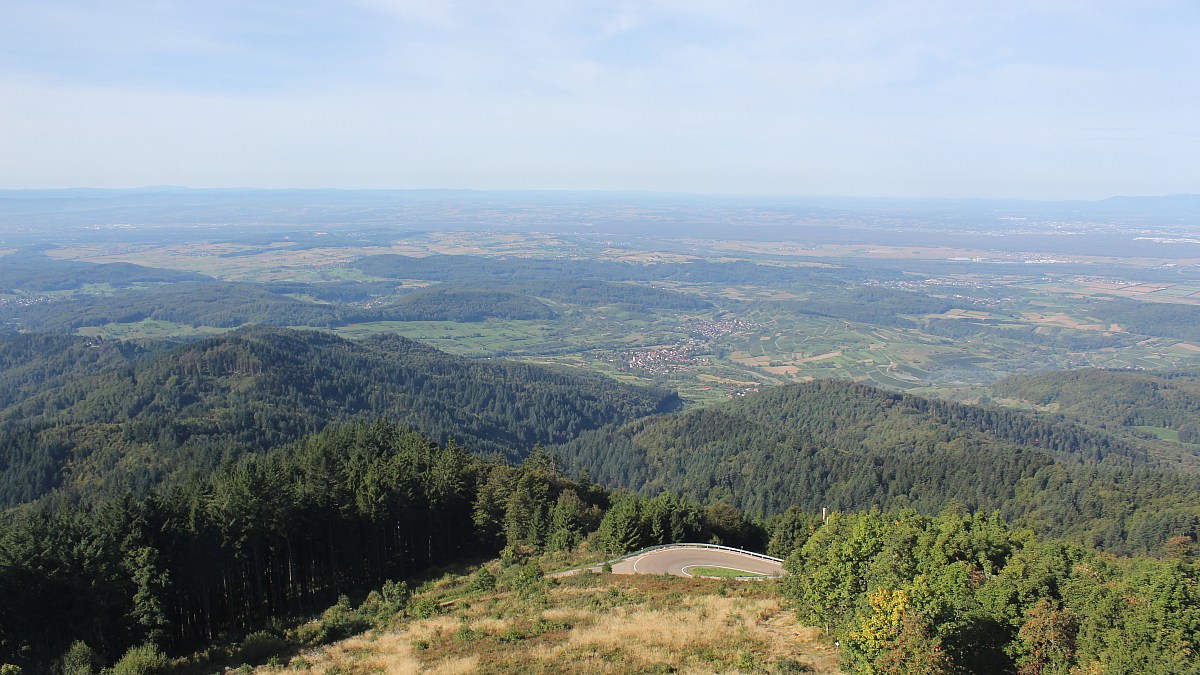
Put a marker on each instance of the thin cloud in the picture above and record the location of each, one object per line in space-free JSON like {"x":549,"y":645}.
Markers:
{"x":886,"y":98}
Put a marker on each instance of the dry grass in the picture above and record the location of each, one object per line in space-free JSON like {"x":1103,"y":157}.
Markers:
{"x":593,"y":624}
{"x":753,"y":361}
{"x":820,"y":357}
{"x":1064,"y":320}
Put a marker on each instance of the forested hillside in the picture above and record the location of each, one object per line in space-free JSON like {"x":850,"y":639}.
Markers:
{"x":850,"y":447}
{"x":80,"y":412}
{"x":30,"y":271}
{"x":246,"y":555}
{"x":218,"y":305}
{"x":1115,"y":398}
{"x":233,"y":304}
{"x":879,"y":306}
{"x":265,"y":537}
{"x":1150,"y":318}
{"x":462,"y":304}
{"x":469,"y":295}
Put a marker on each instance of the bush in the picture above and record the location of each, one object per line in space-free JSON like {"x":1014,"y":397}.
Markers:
{"x":387,"y":602}
{"x":341,"y":621}
{"x":337,"y":622}
{"x":260,"y":647}
{"x":396,"y":594}
{"x":423,"y":607}
{"x":467,"y":634}
{"x":80,"y":659}
{"x":529,"y":580}
{"x":483,"y":580}
{"x":146,"y":659}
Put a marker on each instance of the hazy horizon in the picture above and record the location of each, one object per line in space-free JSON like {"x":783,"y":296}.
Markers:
{"x":588,"y":191}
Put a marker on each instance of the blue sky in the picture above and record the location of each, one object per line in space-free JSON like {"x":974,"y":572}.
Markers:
{"x":1045,"y":100}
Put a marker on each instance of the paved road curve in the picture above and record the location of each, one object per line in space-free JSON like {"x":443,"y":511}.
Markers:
{"x":679,"y":560}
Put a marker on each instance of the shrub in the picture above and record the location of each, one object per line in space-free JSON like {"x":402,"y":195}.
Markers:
{"x":423,"y":607}
{"x":387,"y":602}
{"x":337,"y":622}
{"x":529,"y":579}
{"x":483,"y":580}
{"x":80,"y":659}
{"x":395,"y":594}
{"x":467,"y":634}
{"x":146,"y":659}
{"x":260,"y":647}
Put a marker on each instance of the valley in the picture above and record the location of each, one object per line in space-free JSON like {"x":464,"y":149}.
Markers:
{"x":344,"y":446}
{"x":942,"y":325}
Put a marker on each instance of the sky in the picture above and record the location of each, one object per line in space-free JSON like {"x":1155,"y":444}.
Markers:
{"x":1053,"y":99}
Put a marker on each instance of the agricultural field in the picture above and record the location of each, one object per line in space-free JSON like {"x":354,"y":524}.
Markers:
{"x":781,"y":326}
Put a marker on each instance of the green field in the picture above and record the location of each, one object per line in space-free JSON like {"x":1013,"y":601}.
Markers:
{"x":1160,"y":433}
{"x":147,"y":329}
{"x":774,"y":343}
{"x":722,"y":573}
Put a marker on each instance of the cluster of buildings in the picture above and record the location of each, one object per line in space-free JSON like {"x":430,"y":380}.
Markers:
{"x":25,"y":300}
{"x":713,"y":329}
{"x":663,"y":360}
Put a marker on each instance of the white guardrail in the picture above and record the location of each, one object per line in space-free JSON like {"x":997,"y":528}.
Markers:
{"x":648,"y":549}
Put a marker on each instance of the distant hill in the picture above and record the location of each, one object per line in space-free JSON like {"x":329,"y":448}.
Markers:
{"x":533,"y":273}
{"x":34,"y":272}
{"x":232,"y":304}
{"x":1166,"y":404}
{"x":474,"y":289}
{"x":80,"y":412}
{"x":851,"y":447}
{"x":1172,"y":320}
{"x":216,"y":304}
{"x":464,"y":304}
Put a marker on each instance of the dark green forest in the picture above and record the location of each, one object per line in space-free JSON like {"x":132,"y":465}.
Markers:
{"x":851,"y":447}
{"x":462,"y":304}
{"x":879,"y":306}
{"x":233,"y":304}
{"x":1115,"y":398}
{"x":77,"y":411}
{"x":1150,"y":318}
{"x":219,"y":305}
{"x":355,"y":507}
{"x":365,"y":506}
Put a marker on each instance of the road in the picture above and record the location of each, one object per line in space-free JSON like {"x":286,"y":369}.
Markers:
{"x":679,"y":560}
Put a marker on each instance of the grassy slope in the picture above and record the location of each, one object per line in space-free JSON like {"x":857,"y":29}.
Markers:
{"x":589,"y":623}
